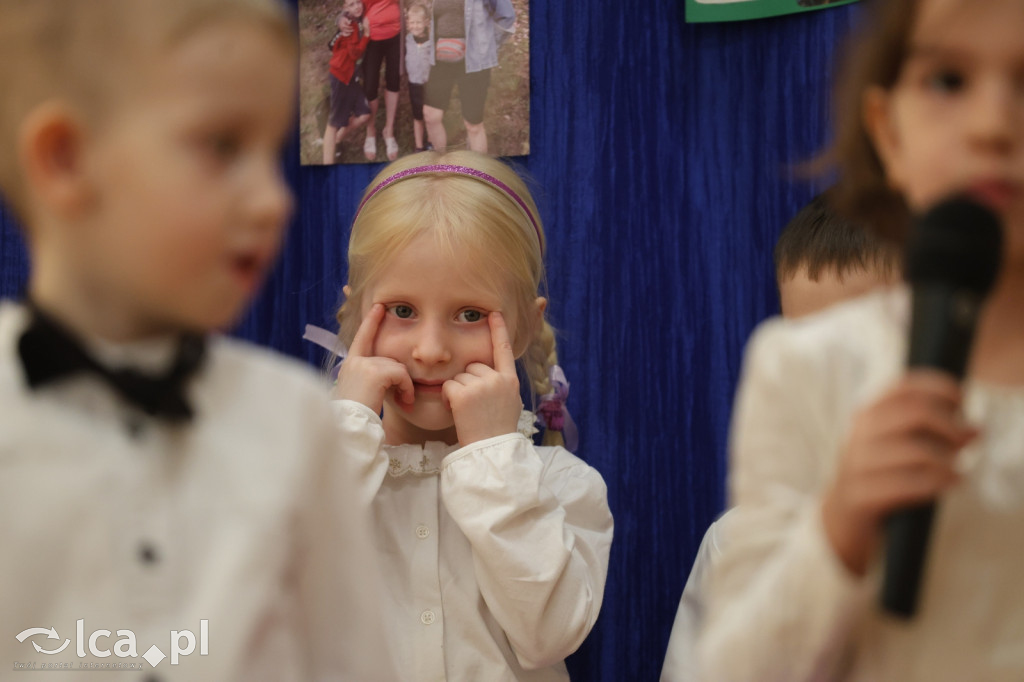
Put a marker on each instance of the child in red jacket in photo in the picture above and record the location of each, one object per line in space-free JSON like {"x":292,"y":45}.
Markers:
{"x":349,"y":108}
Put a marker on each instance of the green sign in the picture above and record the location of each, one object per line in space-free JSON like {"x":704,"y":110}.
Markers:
{"x":736,"y":10}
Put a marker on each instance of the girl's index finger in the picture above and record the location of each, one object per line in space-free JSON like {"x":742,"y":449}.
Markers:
{"x":504,"y":358}
{"x":362,"y":344}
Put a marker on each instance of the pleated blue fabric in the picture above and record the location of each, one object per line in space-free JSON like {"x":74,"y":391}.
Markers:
{"x":662,"y":158}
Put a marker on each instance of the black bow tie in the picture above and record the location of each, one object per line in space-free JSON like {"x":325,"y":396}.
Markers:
{"x":49,"y":352}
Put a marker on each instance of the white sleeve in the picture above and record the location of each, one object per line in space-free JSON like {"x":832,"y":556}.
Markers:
{"x":541,"y":530}
{"x":781,"y":605}
{"x":360,"y":443}
{"x":504,"y":15}
{"x":681,"y":656}
{"x":338,"y":582}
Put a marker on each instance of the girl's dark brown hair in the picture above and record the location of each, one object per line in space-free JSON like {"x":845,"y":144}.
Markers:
{"x":874,"y":57}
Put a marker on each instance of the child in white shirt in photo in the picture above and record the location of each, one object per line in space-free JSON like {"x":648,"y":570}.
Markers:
{"x":419,"y":55}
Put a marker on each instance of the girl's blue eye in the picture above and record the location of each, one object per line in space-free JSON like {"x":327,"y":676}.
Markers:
{"x":471,"y":315}
{"x":946,"y":80}
{"x":402,"y":311}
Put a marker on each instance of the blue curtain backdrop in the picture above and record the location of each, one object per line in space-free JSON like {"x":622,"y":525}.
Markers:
{"x":662,"y":160}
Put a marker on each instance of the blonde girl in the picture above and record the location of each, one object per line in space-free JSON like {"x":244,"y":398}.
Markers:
{"x":495,"y":550}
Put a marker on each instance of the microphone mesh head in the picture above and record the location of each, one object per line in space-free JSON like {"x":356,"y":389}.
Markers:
{"x":957,"y":242}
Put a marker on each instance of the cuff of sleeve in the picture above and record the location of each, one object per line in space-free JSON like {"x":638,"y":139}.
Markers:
{"x":482,"y":445}
{"x":351,"y":409}
{"x":832,"y":583}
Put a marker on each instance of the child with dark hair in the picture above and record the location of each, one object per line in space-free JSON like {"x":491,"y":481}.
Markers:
{"x":821,"y":259}
{"x":832,"y":433}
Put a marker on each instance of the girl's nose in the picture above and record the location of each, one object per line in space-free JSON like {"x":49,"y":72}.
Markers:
{"x":431,"y":347}
{"x":996,"y":115}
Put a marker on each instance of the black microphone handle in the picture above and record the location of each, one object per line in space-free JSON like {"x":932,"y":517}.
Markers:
{"x":942,"y":328}
{"x":942,"y":325}
{"x":906,"y":545}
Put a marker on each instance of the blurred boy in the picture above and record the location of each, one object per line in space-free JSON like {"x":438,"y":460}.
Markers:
{"x":820,"y":260}
{"x":167,"y":492}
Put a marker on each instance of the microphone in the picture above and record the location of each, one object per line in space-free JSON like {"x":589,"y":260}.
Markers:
{"x":952,"y":260}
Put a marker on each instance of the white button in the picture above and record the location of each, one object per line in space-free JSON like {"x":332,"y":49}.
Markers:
{"x":422,"y":532}
{"x":427,"y":617}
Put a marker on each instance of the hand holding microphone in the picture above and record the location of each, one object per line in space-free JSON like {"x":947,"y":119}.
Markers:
{"x":901,"y":449}
{"x":952,"y":262}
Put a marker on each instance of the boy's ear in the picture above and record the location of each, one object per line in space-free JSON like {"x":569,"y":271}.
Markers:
{"x":879,"y":122}
{"x":50,"y":149}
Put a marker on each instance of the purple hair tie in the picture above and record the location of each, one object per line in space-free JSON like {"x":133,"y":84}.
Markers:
{"x":456,"y":170}
{"x":552,"y":412}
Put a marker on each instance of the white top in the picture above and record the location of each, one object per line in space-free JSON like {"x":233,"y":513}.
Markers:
{"x":244,"y":518}
{"x":681,"y":655}
{"x":782,"y":606}
{"x":495,"y":555}
{"x":418,"y":58}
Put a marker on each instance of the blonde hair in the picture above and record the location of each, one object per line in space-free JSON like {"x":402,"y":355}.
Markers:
{"x":89,"y":54}
{"x":461,"y":213}
{"x":418,"y":7}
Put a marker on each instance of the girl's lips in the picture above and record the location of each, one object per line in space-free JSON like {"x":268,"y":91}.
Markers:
{"x":997,"y":194}
{"x":425,"y":387}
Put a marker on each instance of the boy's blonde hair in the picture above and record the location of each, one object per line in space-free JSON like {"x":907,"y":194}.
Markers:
{"x":418,"y":7}
{"x":462,"y":214}
{"x":88,"y":54}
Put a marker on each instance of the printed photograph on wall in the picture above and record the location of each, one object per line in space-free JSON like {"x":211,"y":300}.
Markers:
{"x":381,"y":79}
{"x":737,"y":10}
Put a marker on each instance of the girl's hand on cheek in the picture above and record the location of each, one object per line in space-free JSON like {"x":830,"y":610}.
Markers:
{"x":366,"y":378}
{"x":485,"y":402}
{"x":901,"y":451}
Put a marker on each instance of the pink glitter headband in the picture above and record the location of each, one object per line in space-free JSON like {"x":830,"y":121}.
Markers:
{"x":456,"y":170}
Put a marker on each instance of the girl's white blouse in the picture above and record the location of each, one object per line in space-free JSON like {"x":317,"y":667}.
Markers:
{"x":494,"y":556}
{"x":782,"y":606}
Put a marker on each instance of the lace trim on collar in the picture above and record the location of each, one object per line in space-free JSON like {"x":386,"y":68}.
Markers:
{"x":425,"y":460}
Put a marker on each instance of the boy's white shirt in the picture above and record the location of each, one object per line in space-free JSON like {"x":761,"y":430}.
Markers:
{"x":781,"y":606}
{"x":249,"y":510}
{"x":494,"y":555}
{"x":681,"y":655}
